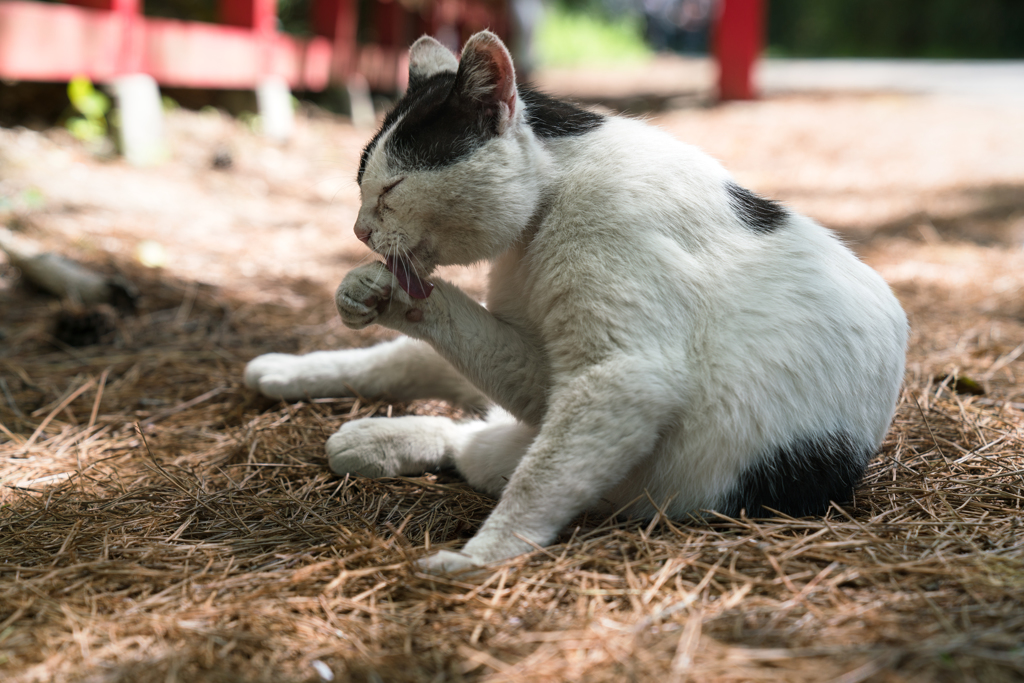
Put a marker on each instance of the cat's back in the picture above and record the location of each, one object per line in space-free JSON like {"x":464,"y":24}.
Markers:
{"x":629,"y":172}
{"x":650,"y":245}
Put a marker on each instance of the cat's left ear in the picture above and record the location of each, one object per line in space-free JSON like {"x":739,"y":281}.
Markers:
{"x":487,"y":78}
{"x":427,"y":57}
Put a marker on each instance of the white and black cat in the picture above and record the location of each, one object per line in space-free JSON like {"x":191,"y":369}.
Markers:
{"x":654,"y":336}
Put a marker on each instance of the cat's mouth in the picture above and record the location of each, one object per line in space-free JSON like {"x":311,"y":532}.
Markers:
{"x":413,"y":284}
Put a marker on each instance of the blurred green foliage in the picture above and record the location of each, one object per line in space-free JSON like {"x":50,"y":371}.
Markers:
{"x":575,"y":37}
{"x":191,"y":10}
{"x":292,"y":15}
{"x":896,"y":28}
{"x":92,"y":105}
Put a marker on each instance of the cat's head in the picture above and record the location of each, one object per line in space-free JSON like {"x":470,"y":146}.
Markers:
{"x":451,"y":176}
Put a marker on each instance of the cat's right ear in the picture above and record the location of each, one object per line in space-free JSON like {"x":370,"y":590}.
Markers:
{"x":428,"y":57}
{"x":487,"y":78}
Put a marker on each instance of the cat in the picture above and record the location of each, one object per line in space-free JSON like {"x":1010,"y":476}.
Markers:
{"x":655,"y":338}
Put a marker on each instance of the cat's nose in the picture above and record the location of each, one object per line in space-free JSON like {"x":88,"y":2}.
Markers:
{"x":362,"y":232}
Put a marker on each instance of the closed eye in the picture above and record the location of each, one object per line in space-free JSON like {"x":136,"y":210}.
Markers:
{"x":381,"y":206}
{"x":388,"y":188}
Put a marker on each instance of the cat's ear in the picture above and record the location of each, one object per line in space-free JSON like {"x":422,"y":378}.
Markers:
{"x":428,"y":57}
{"x":487,"y":78}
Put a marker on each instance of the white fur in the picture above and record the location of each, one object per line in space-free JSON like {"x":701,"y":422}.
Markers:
{"x":428,"y":57}
{"x":648,"y":344}
{"x":363,"y":372}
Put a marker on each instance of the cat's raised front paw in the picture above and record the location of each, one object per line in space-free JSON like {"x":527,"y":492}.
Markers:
{"x":364,"y":295}
{"x":448,"y":562}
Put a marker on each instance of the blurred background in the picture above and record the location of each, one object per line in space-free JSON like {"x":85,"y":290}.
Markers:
{"x":211,"y":145}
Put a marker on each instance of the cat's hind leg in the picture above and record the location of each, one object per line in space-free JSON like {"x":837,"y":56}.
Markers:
{"x":485,"y":452}
{"x":600,"y":425}
{"x":389,"y":447}
{"x":403,"y":370}
{"x":490,"y":455}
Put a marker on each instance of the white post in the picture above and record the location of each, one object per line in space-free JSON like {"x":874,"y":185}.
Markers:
{"x":274,"y":101}
{"x":141,"y":129}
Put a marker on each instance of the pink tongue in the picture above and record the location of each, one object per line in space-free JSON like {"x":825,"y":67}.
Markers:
{"x":407,"y":278}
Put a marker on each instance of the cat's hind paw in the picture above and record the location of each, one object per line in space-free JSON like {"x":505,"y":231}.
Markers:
{"x":388,"y":447}
{"x":361,"y":448}
{"x":449,"y":562}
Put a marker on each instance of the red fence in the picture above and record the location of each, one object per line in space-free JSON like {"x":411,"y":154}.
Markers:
{"x":103,"y":39}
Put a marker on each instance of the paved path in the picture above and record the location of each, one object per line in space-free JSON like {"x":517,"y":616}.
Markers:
{"x":989,"y":80}
{"x":669,"y":76}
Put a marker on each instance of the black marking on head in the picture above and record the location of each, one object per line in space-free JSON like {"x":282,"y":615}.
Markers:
{"x":757,"y":213}
{"x":553,"y":118}
{"x":433,"y":126}
{"x":418,"y":81}
{"x":436,"y":133}
{"x":800,"y":479}
{"x":428,"y":95}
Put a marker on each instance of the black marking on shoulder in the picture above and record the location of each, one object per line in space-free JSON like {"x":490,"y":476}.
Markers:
{"x":549,"y":117}
{"x":800,"y":479}
{"x":757,"y":213}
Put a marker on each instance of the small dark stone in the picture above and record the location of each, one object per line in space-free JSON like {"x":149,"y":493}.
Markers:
{"x":82,"y":327}
{"x":222,"y":160}
{"x":124,"y":296}
{"x":962,"y":385}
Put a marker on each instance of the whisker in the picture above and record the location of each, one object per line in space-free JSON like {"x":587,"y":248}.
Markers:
{"x":412,"y":257}
{"x":385,"y":257}
{"x":390,"y":253}
{"x":364,"y":258}
{"x":405,"y":267}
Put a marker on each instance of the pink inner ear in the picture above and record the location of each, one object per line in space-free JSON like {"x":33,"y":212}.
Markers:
{"x":503,"y":72}
{"x":505,"y":86}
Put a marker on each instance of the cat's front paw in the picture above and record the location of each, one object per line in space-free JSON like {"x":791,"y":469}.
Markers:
{"x":280,"y":375}
{"x":448,"y":562}
{"x":364,"y":295}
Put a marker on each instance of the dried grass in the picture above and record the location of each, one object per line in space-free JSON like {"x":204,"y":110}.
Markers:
{"x":161,"y":523}
{"x":158,"y":522}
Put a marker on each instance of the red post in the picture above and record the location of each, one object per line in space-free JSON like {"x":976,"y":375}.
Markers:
{"x":130,"y":14}
{"x":338,"y":20}
{"x":390,"y":20}
{"x":739,"y":38}
{"x":92,"y":4}
{"x":258,"y":15}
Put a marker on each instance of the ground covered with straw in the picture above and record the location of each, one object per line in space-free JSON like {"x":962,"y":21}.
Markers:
{"x":160,"y":522}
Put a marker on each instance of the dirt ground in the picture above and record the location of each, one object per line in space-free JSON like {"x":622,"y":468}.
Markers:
{"x":159,"y":522}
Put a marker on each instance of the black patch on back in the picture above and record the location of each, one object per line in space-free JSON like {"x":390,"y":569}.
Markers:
{"x":757,"y":213}
{"x":801,"y":479}
{"x":438,"y":128}
{"x":554,"y":118}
